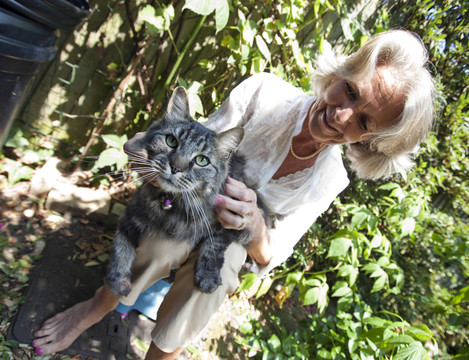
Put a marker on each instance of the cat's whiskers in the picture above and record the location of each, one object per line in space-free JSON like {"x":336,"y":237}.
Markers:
{"x":196,"y":204}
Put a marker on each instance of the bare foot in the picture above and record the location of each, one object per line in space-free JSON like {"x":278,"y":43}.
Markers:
{"x":60,"y":331}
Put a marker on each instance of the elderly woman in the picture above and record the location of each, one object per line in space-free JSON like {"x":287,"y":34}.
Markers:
{"x":378,"y":102}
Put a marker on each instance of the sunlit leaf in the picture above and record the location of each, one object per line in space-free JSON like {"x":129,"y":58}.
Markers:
{"x":311,"y":296}
{"x":141,"y":345}
{"x":415,"y":351}
{"x":115,"y":141}
{"x":201,"y":7}
{"x":247,"y":282}
{"x":265,"y":286}
{"x":407,"y":226}
{"x":339,"y":247}
{"x":222,"y":14}
{"x":263,"y":48}
{"x":110,"y":157}
{"x":342,"y":291}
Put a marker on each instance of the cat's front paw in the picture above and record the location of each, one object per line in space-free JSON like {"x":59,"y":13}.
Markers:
{"x":207,"y":282}
{"x":119,"y":285}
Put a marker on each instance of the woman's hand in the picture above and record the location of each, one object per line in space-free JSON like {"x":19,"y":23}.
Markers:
{"x":138,"y":155}
{"x":238,"y":210}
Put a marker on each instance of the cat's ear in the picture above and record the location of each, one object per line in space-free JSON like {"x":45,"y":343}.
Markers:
{"x":229,"y":140}
{"x":178,"y":106}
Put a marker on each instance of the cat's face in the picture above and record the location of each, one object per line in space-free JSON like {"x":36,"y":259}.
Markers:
{"x":184,"y":155}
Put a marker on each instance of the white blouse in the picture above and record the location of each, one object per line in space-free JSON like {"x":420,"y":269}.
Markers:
{"x":272,"y":112}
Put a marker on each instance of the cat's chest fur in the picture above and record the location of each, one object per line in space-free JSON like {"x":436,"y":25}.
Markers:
{"x":168,"y":213}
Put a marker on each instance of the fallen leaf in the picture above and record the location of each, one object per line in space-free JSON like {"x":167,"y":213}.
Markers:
{"x":98,"y":247}
{"x":82,"y":244}
{"x":66,"y":232}
{"x":92,"y":263}
{"x":29,"y":213}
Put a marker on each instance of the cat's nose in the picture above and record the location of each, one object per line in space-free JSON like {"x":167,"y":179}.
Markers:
{"x":175,"y":169}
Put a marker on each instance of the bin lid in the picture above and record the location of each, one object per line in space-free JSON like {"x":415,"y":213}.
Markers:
{"x":57,"y":14}
{"x":21,"y":38}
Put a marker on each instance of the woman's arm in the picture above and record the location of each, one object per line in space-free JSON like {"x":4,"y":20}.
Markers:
{"x":238,"y":210}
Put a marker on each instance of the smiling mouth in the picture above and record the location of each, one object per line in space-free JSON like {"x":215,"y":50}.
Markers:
{"x":327,"y":122}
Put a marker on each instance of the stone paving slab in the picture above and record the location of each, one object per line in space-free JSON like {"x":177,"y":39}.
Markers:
{"x":60,"y":281}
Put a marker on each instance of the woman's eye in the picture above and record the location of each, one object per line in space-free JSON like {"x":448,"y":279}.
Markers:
{"x":363,"y":123}
{"x":202,"y":160}
{"x":350,"y":90}
{"x":171,"y":141}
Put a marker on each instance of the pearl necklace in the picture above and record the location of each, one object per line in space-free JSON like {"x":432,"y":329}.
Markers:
{"x":321,"y":148}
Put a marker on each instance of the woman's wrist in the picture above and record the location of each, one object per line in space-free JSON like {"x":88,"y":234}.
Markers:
{"x":260,"y":249}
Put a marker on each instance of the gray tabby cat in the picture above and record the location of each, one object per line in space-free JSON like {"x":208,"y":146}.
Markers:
{"x":191,"y":164}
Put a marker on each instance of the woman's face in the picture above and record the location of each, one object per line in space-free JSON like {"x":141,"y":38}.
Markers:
{"x":349,"y":110}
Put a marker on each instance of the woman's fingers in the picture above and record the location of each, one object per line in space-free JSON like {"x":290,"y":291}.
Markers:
{"x":236,"y":208}
{"x":227,"y":218}
{"x":238,"y":190}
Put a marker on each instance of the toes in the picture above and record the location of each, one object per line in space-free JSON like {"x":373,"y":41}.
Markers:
{"x":39,"y":341}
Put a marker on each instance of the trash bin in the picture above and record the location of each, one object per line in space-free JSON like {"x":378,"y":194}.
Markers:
{"x":27,"y":40}
{"x":24,"y":46}
{"x":57,"y":14}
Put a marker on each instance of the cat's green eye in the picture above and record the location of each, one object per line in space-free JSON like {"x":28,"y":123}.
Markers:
{"x":202,"y":160}
{"x":171,"y":141}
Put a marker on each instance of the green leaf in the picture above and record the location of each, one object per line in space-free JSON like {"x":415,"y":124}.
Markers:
{"x":103,"y":257}
{"x":265,"y":286}
{"x":294,"y":277}
{"x":342,"y":291}
{"x":115,"y":141}
{"x":380,"y":283}
{"x":360,"y":218}
{"x":17,"y":141}
{"x":263,"y":48}
{"x":377,"y":240}
{"x":248,"y":32}
{"x":4,"y":240}
{"x":389,"y":186}
{"x":201,"y":7}
{"x":312,"y":296}
{"x":463,"y":295}
{"x":109,"y":157}
{"x":247,"y":282}
{"x":350,"y":272}
{"x":421,"y":332}
{"x":401,"y":339}
{"x":323,"y":299}
{"x":376,"y":321}
{"x":339,"y":247}
{"x":415,"y":351}
{"x":21,"y":173}
{"x":222,"y":14}
{"x":275,"y":343}
{"x":141,"y":345}
{"x":407,"y":226}
{"x":156,"y":19}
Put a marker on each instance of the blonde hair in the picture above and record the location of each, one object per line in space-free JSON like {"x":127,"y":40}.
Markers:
{"x":390,"y":150}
